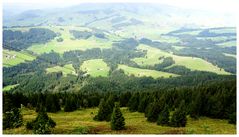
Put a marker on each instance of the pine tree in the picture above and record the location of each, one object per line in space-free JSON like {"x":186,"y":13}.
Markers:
{"x":7,"y":102}
{"x":179,"y":118}
{"x":42,"y":124}
{"x":134,"y":102}
{"x":52,"y":103}
{"x":110,"y":102}
{"x":195,"y":106}
{"x":163,"y":118}
{"x":143,"y":102}
{"x":104,"y":112}
{"x":40,"y":102}
{"x":153,"y":111}
{"x":117,"y":119}
{"x":70,"y":104}
{"x":124,"y":99}
{"x":232,"y":118}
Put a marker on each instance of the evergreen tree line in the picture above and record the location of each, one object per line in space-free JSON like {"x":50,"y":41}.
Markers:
{"x":164,"y":106}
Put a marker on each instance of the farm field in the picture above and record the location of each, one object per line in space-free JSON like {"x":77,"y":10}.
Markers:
{"x":69,"y":42}
{"x":194,"y":32}
{"x":193,"y":63}
{"x":95,"y":67}
{"x":217,"y":39}
{"x":66,"y":69}
{"x":137,"y":72}
{"x":81,"y":121}
{"x":151,"y":32}
{"x":178,"y":47}
{"x":228,"y":44}
{"x":12,"y":58}
{"x":230,"y":55}
{"x":224,"y":30}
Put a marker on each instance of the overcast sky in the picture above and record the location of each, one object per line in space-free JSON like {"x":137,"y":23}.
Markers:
{"x":223,"y":6}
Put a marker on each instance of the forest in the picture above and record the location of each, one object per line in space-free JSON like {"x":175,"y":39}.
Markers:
{"x":168,"y":107}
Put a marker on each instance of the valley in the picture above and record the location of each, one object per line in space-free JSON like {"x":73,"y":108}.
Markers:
{"x":118,"y":68}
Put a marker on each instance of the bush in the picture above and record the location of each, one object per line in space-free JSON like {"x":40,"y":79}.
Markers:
{"x":82,"y":130}
{"x":59,"y":39}
{"x":42,"y":123}
{"x":29,"y":125}
{"x":12,"y":118}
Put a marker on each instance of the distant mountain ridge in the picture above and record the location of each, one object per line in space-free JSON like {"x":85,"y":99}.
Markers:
{"x":90,"y":12}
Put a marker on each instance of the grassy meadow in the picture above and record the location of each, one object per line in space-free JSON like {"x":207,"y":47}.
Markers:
{"x":69,"y":42}
{"x":9,"y":87}
{"x":137,"y":72}
{"x":95,"y":67}
{"x":12,"y":58}
{"x":193,"y":63}
{"x":81,"y":121}
{"x":230,"y":55}
{"x":228,"y":44}
{"x":66,"y":69}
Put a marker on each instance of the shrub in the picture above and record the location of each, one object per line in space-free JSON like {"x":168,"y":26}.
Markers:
{"x":12,"y":118}
{"x":42,"y":123}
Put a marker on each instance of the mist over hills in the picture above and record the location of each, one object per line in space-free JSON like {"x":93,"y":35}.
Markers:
{"x":98,"y":13}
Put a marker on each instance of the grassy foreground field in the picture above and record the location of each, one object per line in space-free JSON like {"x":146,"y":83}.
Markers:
{"x":81,"y":121}
{"x":144,"y":72}
{"x":95,"y":67}
{"x":193,"y":63}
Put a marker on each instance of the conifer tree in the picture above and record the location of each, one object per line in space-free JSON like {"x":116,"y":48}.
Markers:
{"x":52,"y":103}
{"x":143,"y":102}
{"x":7,"y":102}
{"x":179,"y":118}
{"x":153,"y":111}
{"x":117,"y":119}
{"x":40,"y":102}
{"x":124,"y":99}
{"x":163,"y":118}
{"x":104,"y":112}
{"x":195,"y":106}
{"x":42,"y":124}
{"x":70,"y":104}
{"x":134,"y":102}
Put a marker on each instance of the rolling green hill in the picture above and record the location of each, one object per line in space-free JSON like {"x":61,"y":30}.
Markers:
{"x":69,"y":42}
{"x":193,"y":63}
